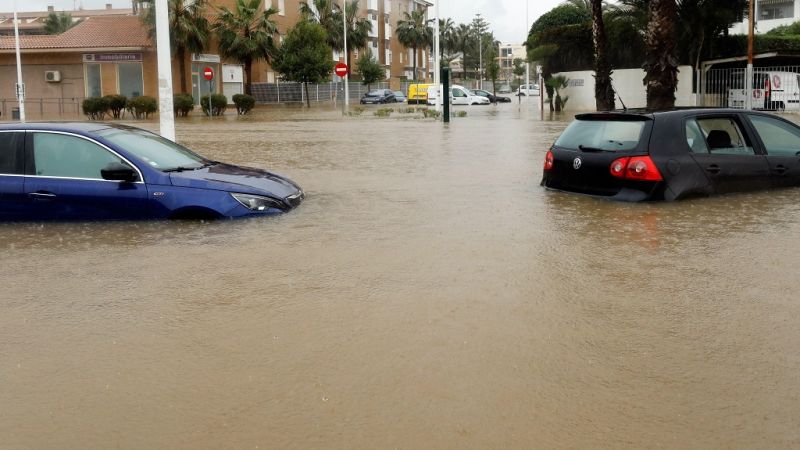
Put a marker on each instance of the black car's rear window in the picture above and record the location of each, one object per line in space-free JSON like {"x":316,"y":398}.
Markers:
{"x":610,"y":135}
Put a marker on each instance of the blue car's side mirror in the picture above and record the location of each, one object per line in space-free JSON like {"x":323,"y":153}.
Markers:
{"x":119,"y":172}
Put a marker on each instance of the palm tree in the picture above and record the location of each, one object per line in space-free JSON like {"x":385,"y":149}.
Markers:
{"x":462,"y":41}
{"x":358,"y":28}
{"x":415,"y":32}
{"x":603,"y":91}
{"x":324,"y":12}
{"x":246,"y":35}
{"x":661,"y":66}
{"x":189,"y":30}
{"x":446,"y":41}
{"x":57,"y":23}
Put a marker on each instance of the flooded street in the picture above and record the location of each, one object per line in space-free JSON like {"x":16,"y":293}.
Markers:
{"x":427,"y":294}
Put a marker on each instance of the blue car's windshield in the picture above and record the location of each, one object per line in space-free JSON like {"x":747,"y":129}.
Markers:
{"x":159,"y":153}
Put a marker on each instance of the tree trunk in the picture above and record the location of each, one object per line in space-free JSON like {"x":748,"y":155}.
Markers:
{"x":661,"y":66}
{"x":308,"y":99}
{"x":415,"y":64}
{"x":603,"y":90}
{"x":248,"y":73}
{"x":181,"y":54}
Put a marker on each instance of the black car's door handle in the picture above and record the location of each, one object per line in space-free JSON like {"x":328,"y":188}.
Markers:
{"x":713,"y":169}
{"x":42,"y":195}
{"x":780,"y":168}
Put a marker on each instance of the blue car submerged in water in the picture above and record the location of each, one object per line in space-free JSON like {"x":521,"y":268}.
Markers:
{"x":98,"y":171}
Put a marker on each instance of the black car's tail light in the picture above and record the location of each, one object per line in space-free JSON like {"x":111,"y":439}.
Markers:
{"x":640,"y":168}
{"x":548,"y":161}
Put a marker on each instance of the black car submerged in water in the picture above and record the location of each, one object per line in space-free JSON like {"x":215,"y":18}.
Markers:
{"x":669,"y":155}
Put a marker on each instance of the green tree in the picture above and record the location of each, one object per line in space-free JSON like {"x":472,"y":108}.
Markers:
{"x":246,"y":34}
{"x":463,"y":39}
{"x":370,"y":70}
{"x":446,"y":41}
{"x":557,"y":83}
{"x":661,"y":66}
{"x":58,"y":23}
{"x":329,"y":15}
{"x":493,"y":71}
{"x":519,"y":69}
{"x":358,"y":28}
{"x":305,"y":55}
{"x":414,"y":31}
{"x":189,"y":30}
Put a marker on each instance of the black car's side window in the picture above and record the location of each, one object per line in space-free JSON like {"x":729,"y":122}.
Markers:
{"x":723,"y":135}
{"x":779,"y":137}
{"x":61,"y":155}
{"x":11,"y":153}
{"x":695,"y":138}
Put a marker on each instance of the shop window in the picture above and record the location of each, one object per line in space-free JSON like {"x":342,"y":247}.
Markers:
{"x":94,"y":85}
{"x":130,"y":79}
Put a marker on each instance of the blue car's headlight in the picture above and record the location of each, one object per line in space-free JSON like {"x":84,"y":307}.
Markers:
{"x":257,"y":202}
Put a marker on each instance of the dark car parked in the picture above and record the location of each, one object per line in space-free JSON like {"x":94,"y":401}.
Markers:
{"x":492,"y":98}
{"x":378,"y":96}
{"x":640,"y":155}
{"x":97,"y":171}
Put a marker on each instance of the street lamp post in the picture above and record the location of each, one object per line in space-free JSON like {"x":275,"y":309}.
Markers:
{"x":166,"y":114}
{"x":527,"y":62}
{"x":437,"y":58}
{"x":347,"y":75}
{"x":20,"y":85}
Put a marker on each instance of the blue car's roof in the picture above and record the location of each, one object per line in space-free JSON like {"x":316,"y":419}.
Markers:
{"x":74,"y":127}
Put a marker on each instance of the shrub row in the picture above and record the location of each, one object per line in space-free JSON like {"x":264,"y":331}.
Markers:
{"x":96,"y":108}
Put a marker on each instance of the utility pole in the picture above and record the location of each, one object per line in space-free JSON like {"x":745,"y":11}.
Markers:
{"x":166,"y":115}
{"x":437,"y":64}
{"x":528,"y":63}
{"x":480,"y":55}
{"x":20,"y":84}
{"x":750,"y":37}
{"x":347,"y":75}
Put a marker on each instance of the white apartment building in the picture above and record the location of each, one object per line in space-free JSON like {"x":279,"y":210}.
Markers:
{"x":771,"y":14}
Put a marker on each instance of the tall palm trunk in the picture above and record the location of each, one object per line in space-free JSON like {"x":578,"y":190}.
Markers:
{"x":603,"y":91}
{"x":248,"y":72}
{"x":661,"y":66}
{"x":181,"y":54}
{"x":415,"y":63}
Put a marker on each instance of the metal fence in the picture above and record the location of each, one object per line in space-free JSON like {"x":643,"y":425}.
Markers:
{"x":39,"y":108}
{"x":772,"y":88}
{"x":317,"y":93}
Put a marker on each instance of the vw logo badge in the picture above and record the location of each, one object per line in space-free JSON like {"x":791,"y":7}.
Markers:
{"x":576,"y":163}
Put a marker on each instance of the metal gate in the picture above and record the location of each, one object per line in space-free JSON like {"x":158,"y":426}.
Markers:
{"x":775,"y":88}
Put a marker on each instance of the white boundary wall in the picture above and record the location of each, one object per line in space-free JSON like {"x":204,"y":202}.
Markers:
{"x":628,"y":84}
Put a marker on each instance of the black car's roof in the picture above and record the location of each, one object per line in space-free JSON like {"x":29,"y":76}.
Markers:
{"x":74,"y":127}
{"x":648,"y":114}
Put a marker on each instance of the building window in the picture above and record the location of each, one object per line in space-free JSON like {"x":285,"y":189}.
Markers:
{"x":776,"y":9}
{"x":94,"y":83}
{"x":282,"y":7}
{"x":129,"y":77}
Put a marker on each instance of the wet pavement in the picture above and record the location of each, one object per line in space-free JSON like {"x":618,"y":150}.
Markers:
{"x":427,"y":294}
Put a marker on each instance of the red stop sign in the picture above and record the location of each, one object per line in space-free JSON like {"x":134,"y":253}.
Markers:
{"x":208,"y":73}
{"x":340,"y":69}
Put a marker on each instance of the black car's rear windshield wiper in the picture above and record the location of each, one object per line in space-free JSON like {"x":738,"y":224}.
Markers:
{"x":584,"y":148}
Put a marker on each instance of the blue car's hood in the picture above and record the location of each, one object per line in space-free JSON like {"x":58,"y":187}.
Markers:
{"x":246,"y":180}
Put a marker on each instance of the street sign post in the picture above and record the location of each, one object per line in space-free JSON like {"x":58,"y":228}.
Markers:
{"x":340,"y":70}
{"x":208,"y":74}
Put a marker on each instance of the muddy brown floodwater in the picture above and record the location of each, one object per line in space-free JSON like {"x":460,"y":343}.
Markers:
{"x":427,"y":295}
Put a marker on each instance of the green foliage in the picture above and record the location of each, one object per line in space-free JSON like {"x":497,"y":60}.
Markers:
{"x":384,"y":112}
{"x":556,"y":84}
{"x":785,"y":30}
{"x":58,"y":23}
{"x":305,"y":55}
{"x":369,"y":68}
{"x":558,"y":17}
{"x":95,"y":107}
{"x":141,"y":107}
{"x":460,"y":114}
{"x":356,"y":111}
{"x":182,"y":104}
{"x":736,"y":45}
{"x":431,"y":113}
{"x":116,"y":104}
{"x":219,"y":103}
{"x":414,"y":31}
{"x":244,"y":103}
{"x":328,"y":14}
{"x":408,"y":110}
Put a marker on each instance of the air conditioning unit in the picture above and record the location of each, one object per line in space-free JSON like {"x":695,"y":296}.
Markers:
{"x":52,"y":76}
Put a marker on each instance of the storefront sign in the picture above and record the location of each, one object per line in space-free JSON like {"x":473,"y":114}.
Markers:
{"x":575,"y":83}
{"x":112,"y":57}
{"x":204,"y":57}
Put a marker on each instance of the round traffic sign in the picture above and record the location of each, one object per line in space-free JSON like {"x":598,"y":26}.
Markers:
{"x":340,"y":69}
{"x":208,"y":73}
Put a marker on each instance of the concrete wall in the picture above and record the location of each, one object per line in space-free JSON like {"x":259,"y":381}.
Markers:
{"x":628,"y":84}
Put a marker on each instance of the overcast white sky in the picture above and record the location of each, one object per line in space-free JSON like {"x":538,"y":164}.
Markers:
{"x":507,"y":17}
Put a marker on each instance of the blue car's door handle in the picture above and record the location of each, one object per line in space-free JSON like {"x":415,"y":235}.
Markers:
{"x":42,"y":195}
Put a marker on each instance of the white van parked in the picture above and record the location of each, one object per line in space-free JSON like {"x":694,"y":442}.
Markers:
{"x":459,"y":95}
{"x":528,"y":89}
{"x":771,"y":90}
